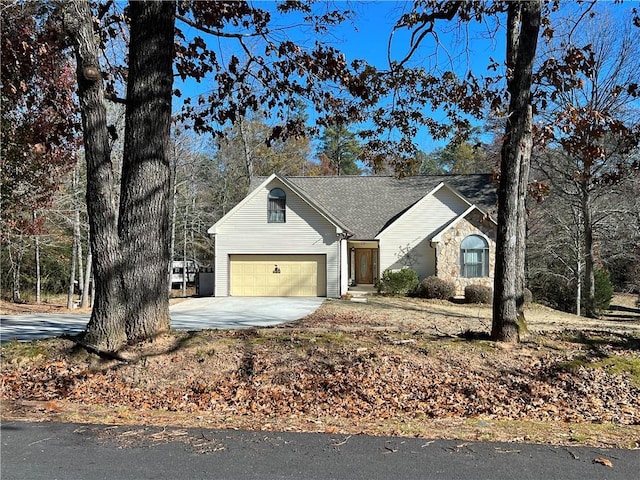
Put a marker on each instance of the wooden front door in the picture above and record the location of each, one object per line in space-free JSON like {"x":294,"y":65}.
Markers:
{"x":364,"y":265}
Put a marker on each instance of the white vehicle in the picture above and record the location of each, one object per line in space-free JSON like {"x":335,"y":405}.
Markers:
{"x":180,"y":269}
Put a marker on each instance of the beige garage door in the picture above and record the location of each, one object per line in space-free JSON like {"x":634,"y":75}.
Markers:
{"x":278,"y":275}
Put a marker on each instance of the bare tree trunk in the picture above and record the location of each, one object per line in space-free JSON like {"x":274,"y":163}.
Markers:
{"x":184,"y":251}
{"x":16,"y":266}
{"x":80,"y":253}
{"x":76,"y":224}
{"x":192,"y":230}
{"x":174,"y":214}
{"x":16,"y":296}
{"x":72,"y":273}
{"x":143,"y":221}
{"x":36,"y":241}
{"x":106,"y":328}
{"x":589,"y":270}
{"x":526,"y":144}
{"x":246,"y":151}
{"x":578,"y":285}
{"x":522,"y":38}
{"x":77,"y":242}
{"x":84,"y":302}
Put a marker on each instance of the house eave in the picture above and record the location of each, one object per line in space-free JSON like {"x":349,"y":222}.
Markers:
{"x":438,"y":237}
{"x":340,"y":229}
{"x":412,"y":207}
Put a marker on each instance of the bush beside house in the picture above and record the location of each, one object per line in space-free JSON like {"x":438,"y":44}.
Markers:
{"x":434,"y":287}
{"x":397,"y":282}
{"x":476,"y":293}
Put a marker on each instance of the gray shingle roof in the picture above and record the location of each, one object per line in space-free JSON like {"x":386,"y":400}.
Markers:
{"x":366,"y":205}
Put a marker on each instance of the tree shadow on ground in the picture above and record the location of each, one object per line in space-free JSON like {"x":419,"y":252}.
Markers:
{"x":619,"y":313}
{"x":428,"y":309}
{"x":597,"y":340}
{"x":164,"y":343}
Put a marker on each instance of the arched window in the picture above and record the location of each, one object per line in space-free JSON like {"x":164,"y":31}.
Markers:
{"x":276,"y":206}
{"x":474,"y":257}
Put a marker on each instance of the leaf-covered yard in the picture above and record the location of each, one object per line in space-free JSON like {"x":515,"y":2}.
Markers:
{"x":390,"y":366}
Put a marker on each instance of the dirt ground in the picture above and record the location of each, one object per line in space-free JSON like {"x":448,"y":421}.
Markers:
{"x":391,"y":366}
{"x":624,"y":308}
{"x":58,"y":304}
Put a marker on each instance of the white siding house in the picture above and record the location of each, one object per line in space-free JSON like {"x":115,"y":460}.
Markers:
{"x":406,"y":242}
{"x":322,"y":236}
{"x":245,"y":230}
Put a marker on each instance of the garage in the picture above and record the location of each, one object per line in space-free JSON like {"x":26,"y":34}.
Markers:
{"x":278,"y":275}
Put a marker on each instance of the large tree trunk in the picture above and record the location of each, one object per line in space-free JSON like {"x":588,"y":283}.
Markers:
{"x":106,"y":328}
{"x":143,"y":220}
{"x":526,"y":144}
{"x":522,"y":38}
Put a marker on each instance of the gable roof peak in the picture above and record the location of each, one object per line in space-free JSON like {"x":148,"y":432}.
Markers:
{"x":365,"y":204}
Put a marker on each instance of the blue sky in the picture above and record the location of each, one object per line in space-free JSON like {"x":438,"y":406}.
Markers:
{"x":366,"y":37}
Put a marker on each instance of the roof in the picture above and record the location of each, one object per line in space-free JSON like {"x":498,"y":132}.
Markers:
{"x":367,"y":204}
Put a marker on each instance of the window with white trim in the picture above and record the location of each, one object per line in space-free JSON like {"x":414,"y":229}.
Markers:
{"x":474,"y":257}
{"x":276,"y":206}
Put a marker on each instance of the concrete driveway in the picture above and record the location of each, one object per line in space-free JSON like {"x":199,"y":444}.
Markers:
{"x":191,"y":314}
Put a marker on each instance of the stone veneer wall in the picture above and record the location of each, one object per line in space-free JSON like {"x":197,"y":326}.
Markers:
{"x":448,"y":251}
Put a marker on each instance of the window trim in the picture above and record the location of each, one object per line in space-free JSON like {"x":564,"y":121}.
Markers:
{"x":483,"y":262}
{"x":277,"y":206}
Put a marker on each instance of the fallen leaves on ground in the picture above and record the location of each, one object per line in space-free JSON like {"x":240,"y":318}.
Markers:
{"x":367,"y":373}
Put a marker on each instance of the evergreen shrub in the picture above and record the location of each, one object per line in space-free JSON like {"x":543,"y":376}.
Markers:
{"x":397,"y":282}
{"x":434,"y":287}
{"x":477,"y":293}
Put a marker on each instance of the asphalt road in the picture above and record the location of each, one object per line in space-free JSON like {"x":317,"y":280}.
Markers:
{"x":60,"y":451}
{"x":192,"y":314}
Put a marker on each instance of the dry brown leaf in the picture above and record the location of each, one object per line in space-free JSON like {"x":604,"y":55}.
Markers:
{"x":355,"y":375}
{"x":52,"y":406}
{"x":603,"y":461}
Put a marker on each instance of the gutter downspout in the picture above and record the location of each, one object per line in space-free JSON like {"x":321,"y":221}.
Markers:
{"x":342,"y":237}
{"x":434,"y":245}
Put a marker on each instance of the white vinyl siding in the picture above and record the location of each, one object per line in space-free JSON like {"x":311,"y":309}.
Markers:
{"x":406,"y":242}
{"x":248,"y":232}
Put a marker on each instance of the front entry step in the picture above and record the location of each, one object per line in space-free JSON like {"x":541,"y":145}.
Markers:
{"x":359,"y":293}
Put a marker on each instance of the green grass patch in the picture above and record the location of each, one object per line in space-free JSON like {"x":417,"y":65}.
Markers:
{"x":23,"y":350}
{"x":614,"y":365}
{"x":617,"y":365}
{"x":573,"y":365}
{"x":578,"y":438}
